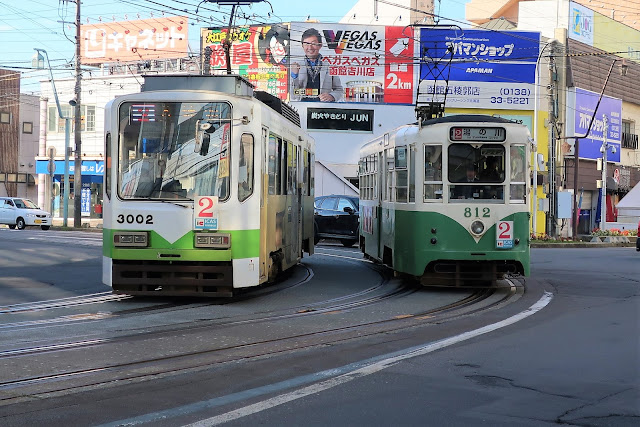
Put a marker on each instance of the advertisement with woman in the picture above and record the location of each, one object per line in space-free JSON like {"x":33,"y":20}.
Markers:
{"x":258,"y":53}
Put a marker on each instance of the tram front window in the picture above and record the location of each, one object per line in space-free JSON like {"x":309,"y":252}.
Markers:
{"x":174,"y":150}
{"x":476,"y":171}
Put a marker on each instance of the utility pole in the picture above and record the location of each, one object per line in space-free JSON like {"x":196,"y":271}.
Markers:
{"x":553,"y":115}
{"x":603,"y":197}
{"x":77,"y":173}
{"x":227,"y":42}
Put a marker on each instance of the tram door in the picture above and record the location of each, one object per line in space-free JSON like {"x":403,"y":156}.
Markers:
{"x":264,"y":190}
{"x":294,"y":218}
{"x":300,"y":181}
{"x":381,"y":185}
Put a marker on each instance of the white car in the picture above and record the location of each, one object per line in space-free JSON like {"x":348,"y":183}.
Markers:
{"x":17,"y":212}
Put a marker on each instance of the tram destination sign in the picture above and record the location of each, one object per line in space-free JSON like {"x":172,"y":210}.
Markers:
{"x":357,"y":120}
{"x":492,"y":134}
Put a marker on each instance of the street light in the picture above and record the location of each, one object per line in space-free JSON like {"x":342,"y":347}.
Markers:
{"x":535,"y":137}
{"x":38,"y":63}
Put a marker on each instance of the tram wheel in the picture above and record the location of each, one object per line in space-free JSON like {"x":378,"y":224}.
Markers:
{"x":348,"y":243}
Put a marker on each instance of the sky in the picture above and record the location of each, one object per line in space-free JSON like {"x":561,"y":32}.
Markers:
{"x":48,"y":24}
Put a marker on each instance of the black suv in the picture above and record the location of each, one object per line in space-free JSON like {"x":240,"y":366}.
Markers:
{"x":337,"y":217}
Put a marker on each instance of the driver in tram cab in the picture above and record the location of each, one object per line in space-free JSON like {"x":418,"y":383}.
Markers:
{"x":492,"y":172}
{"x":468,"y":191}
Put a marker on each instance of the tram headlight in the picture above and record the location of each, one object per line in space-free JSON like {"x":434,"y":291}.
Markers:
{"x":213,"y":240}
{"x":477,"y":227}
{"x":131,"y":239}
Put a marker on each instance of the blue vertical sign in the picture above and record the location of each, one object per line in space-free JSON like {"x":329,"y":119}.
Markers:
{"x":585,"y":105}
{"x":86,"y":201}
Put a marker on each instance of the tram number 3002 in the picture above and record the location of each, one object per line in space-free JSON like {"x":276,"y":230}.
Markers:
{"x":134,"y":219}
{"x":479,"y":212}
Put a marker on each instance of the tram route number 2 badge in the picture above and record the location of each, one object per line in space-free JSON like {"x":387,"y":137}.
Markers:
{"x":205,"y":213}
{"x":504,"y":235}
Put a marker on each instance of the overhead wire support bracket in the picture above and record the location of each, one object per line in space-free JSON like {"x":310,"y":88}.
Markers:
{"x":226,"y":43}
{"x":434,"y":107}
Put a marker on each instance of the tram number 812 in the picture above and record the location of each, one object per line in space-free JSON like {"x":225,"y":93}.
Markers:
{"x":468,"y":212}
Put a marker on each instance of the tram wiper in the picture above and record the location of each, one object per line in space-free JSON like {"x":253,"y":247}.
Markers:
{"x":176,"y":202}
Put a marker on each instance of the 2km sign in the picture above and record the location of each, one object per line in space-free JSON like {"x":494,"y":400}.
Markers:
{"x":205,"y":213}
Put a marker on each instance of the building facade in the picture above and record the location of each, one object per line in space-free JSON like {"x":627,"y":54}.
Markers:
{"x":595,"y":52}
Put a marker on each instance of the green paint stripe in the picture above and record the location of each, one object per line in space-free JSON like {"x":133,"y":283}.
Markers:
{"x":414,"y":249}
{"x":244,"y":244}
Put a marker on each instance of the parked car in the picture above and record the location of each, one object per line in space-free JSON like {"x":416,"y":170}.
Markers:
{"x":337,"y":217}
{"x":18,"y":213}
{"x":638,"y":238}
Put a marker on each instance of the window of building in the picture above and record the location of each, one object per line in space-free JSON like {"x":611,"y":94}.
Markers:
{"x":5,"y":117}
{"x":88,"y":118}
{"x":27,"y":127}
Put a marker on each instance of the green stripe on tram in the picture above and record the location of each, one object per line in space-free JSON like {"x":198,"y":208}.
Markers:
{"x":412,"y":247}
{"x":244,"y":244}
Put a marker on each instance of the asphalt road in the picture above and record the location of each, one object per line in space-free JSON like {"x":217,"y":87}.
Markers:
{"x":346,"y":344}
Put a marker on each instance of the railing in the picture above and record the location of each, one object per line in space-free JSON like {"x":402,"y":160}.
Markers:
{"x":629,"y":140}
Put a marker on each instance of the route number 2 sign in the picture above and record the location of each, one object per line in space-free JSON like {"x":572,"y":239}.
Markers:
{"x":504,"y":235}
{"x":205,"y":212}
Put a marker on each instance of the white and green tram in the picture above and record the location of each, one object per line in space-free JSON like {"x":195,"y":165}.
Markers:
{"x":208,"y":188}
{"x":445,"y":200}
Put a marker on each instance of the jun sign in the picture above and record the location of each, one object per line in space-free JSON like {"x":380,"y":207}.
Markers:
{"x":485,"y":69}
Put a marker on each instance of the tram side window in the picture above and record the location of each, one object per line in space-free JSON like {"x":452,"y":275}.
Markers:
{"x":401,"y":173}
{"x":390,"y":183}
{"x":283,"y":169}
{"x":245,"y":170}
{"x":517,"y":161}
{"x":305,"y":173}
{"x":272,"y":164}
{"x":312,"y":170}
{"x":291,"y":176}
{"x":107,"y":150}
{"x":412,"y":174}
{"x":367,"y":177}
{"x":432,"y":173}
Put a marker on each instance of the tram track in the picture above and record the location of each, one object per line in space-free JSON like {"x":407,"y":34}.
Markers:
{"x":344,"y":302}
{"x":61,"y":379}
{"x":192,"y":361}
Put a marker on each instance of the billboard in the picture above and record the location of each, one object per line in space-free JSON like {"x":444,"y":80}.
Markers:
{"x":351,"y":63}
{"x":581,"y":23}
{"x":485,"y":69}
{"x":258,"y":53}
{"x":584,"y":104}
{"x":139,"y":40}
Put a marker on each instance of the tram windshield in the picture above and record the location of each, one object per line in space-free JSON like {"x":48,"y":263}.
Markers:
{"x":476,"y":171}
{"x":173,"y":150}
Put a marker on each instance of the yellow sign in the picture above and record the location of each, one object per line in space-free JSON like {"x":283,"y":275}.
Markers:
{"x":613,"y":36}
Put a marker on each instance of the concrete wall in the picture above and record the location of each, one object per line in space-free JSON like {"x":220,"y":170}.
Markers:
{"x":328,"y":181}
{"x":28,"y":147}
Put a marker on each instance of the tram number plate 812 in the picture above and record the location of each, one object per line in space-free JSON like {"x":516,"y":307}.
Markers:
{"x":504,"y":235}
